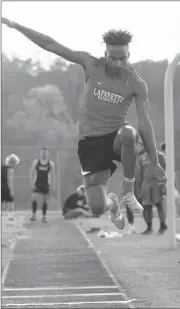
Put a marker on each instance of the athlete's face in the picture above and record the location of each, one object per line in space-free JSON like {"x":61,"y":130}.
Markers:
{"x":117,"y":56}
{"x":44,"y":154}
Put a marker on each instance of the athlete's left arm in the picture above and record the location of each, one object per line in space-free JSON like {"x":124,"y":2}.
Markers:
{"x":145,"y":127}
{"x":53,"y":175}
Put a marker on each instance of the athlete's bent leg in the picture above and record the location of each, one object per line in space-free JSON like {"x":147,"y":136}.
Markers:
{"x":76,"y":213}
{"x":99,"y":201}
{"x":96,"y":191}
{"x":125,"y":146}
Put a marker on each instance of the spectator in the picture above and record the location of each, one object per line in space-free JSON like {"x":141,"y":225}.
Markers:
{"x":7,"y":184}
{"x":151,"y":192}
{"x":176,"y":192}
{"x":76,"y":205}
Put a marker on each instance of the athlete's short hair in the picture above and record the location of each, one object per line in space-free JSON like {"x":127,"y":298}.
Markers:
{"x":117,"y":37}
{"x":12,"y":158}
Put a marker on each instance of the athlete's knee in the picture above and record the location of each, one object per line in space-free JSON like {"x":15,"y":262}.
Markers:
{"x":127,"y":135}
{"x":96,"y":201}
{"x":96,"y":186}
{"x":34,"y":197}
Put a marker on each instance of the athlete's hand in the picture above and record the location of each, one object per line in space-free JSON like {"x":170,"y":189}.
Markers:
{"x":7,"y":22}
{"x":159,"y":173}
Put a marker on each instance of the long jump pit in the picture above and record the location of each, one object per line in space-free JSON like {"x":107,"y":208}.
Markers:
{"x":55,"y":265}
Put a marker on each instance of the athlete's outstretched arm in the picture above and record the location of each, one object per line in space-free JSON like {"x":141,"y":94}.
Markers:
{"x":49,"y":44}
{"x":146,"y":130}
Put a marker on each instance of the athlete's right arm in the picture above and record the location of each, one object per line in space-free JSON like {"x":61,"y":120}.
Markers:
{"x":49,"y":44}
{"x":33,"y":173}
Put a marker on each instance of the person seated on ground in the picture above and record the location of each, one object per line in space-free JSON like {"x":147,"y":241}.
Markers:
{"x":76,"y":205}
{"x":7,"y":184}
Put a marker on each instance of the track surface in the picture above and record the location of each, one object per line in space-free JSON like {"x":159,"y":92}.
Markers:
{"x":54,"y":266}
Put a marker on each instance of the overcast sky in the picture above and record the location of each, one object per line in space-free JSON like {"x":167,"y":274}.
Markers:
{"x":80,"y":25}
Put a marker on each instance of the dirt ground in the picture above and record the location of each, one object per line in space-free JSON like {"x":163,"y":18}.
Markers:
{"x":143,"y":264}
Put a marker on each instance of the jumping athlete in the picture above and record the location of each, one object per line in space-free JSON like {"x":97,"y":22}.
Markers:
{"x":7,"y":183}
{"x":111,"y":84}
{"x":43,"y":179}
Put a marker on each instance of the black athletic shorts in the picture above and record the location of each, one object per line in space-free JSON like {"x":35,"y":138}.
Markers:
{"x":6,"y":195}
{"x":96,"y":154}
{"x":41,"y":189}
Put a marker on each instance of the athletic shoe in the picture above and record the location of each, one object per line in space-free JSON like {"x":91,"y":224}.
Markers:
{"x":132,"y":229}
{"x":162,"y":230}
{"x":44,"y":220}
{"x":130,"y":201}
{"x":147,"y":232}
{"x":33,"y":218}
{"x":10,"y":219}
{"x":117,"y":218}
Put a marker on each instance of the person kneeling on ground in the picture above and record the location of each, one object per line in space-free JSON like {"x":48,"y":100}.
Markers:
{"x":76,"y":205}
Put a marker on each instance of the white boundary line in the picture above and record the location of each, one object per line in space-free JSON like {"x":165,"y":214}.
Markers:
{"x":69,"y":303}
{"x":4,"y":275}
{"x":112,"y":276}
{"x":64,"y":295}
{"x":63,"y":288}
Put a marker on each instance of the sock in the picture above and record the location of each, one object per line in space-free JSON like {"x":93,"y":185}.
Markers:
{"x":128,"y":185}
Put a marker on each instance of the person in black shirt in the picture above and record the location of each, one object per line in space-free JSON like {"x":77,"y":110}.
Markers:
{"x":76,"y":205}
{"x":7,"y":183}
{"x":43,"y":180}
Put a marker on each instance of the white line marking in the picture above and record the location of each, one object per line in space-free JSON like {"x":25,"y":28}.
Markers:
{"x":72,"y":303}
{"x":64,"y":288}
{"x":111,"y":275}
{"x":9,"y":261}
{"x":64,"y":295}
